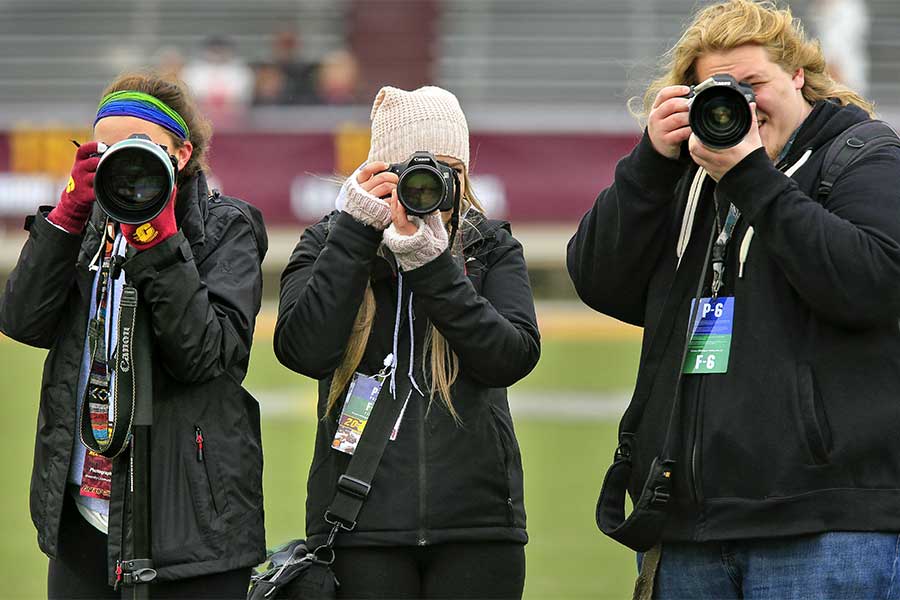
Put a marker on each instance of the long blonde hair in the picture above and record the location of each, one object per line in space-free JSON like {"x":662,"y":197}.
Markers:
{"x":444,"y":362}
{"x":735,"y":23}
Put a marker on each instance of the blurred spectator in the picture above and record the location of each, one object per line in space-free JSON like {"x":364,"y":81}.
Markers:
{"x":170,"y":63}
{"x":338,"y":78}
{"x":843,"y":28}
{"x":285,"y":79}
{"x":220,"y":80}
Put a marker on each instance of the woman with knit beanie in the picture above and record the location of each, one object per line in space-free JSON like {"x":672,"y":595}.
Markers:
{"x":372,"y":294}
{"x":195,"y":270}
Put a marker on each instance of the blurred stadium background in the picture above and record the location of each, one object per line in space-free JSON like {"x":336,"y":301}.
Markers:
{"x":288,"y":85}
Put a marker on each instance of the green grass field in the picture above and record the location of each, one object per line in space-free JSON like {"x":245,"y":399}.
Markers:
{"x":564,"y":458}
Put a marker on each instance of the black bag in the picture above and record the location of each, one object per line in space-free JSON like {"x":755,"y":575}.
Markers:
{"x":292,"y":571}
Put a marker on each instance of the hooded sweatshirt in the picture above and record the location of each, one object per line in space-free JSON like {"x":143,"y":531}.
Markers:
{"x":799,"y":434}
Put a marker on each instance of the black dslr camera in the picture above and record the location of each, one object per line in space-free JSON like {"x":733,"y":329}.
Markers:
{"x":720,"y":114}
{"x":426,"y":184}
{"x":135,"y":179}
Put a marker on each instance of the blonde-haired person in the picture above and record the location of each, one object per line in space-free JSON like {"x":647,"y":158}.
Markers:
{"x":196,"y":267}
{"x":785,"y":478}
{"x":445,"y":515}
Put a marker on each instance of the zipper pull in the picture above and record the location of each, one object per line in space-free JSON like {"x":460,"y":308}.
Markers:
{"x":199,"y":441}
{"x":118,"y":574}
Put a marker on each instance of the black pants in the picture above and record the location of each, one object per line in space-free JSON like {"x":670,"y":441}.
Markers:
{"x":79,"y":571}
{"x":473,"y":570}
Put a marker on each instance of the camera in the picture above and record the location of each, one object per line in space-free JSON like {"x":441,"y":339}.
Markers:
{"x":720,"y":114}
{"x":134,"y":180}
{"x":425,"y":184}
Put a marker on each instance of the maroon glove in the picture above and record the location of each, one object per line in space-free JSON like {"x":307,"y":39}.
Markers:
{"x":161,"y":228}
{"x":75,"y":202}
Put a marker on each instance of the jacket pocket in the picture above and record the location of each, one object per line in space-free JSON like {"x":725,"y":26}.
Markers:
{"x":504,"y":452}
{"x":211,"y":488}
{"x":813,"y":420}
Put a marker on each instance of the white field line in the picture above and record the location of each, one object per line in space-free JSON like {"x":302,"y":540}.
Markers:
{"x":564,"y":406}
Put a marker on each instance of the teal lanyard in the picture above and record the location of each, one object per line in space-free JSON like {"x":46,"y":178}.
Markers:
{"x":720,"y":248}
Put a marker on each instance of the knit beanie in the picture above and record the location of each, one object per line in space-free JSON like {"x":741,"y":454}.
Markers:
{"x":428,"y":118}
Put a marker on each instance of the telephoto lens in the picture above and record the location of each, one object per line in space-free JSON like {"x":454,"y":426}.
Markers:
{"x":134,"y":180}
{"x":720,"y":114}
{"x":425,"y":184}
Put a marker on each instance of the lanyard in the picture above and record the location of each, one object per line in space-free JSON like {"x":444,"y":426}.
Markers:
{"x":720,"y":246}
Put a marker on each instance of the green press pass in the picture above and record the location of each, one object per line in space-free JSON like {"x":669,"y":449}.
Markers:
{"x":710,"y":343}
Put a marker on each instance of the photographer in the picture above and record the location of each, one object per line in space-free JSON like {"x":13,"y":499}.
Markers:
{"x":196,"y":269}
{"x":777,"y":470}
{"x":449,"y":325}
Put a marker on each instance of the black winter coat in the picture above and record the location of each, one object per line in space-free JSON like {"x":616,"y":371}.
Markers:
{"x":800,"y":435}
{"x":438,"y":481}
{"x":204,"y":288}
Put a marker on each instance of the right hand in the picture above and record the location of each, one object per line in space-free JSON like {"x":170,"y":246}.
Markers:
{"x":667,"y":124}
{"x":376,"y":180}
{"x":77,"y":199}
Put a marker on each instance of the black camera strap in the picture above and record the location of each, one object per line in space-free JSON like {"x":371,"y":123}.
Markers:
{"x":124,"y":388}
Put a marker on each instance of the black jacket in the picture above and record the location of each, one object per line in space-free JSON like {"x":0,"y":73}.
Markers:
{"x":800,"y":435}
{"x":204,"y":288}
{"x":437,"y":482}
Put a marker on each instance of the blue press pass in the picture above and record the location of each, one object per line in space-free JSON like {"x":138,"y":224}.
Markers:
{"x":710,"y":345}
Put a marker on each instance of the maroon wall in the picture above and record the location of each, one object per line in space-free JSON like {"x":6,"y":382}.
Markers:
{"x":549,"y":178}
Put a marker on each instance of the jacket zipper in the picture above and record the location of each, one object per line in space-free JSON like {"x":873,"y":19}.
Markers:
{"x":423,"y":540}
{"x":696,"y":490}
{"x":198,"y":439}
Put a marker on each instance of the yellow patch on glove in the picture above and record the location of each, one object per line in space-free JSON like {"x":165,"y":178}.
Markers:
{"x":70,"y":187}
{"x":145,"y":233}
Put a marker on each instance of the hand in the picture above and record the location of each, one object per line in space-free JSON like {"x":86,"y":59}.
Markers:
{"x":415,"y":241}
{"x":363,"y":195}
{"x":77,"y":200}
{"x":376,"y":180}
{"x":161,"y":228}
{"x":667,"y":124}
{"x":719,"y":162}
{"x":401,"y":222}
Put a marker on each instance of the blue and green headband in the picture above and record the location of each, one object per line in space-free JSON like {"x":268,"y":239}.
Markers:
{"x":143,"y":106}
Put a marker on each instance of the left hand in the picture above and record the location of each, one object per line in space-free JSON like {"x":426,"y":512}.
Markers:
{"x":401,"y":221}
{"x":719,"y":162}
{"x":161,"y":228}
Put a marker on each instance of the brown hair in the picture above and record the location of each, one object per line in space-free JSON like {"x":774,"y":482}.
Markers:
{"x":175,"y":94}
{"x":735,"y":23}
{"x":444,"y":362}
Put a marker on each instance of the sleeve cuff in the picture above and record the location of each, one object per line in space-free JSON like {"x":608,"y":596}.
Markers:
{"x":173,"y":250}
{"x":752,"y":184}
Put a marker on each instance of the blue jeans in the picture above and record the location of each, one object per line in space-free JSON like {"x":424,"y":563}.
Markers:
{"x":835,"y":565}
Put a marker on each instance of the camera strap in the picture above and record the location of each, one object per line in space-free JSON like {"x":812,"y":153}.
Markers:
{"x":100,"y":434}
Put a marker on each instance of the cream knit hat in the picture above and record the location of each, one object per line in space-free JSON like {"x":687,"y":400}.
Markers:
{"x":428,"y":118}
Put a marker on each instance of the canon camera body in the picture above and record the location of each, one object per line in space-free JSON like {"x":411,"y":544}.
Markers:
{"x":720,"y":114}
{"x":426,"y":184}
{"x":135,"y":179}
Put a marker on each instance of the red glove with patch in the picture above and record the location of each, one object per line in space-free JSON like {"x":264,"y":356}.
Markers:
{"x":76,"y":201}
{"x":161,"y":228}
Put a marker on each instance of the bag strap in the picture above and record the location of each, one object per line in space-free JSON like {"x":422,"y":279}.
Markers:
{"x":354,"y":485}
{"x":657,"y":346}
{"x":855,"y":143}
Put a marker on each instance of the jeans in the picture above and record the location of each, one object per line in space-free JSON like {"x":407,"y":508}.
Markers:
{"x":834,"y":565}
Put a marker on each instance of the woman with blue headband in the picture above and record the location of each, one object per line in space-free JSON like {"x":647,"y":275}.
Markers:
{"x":196,"y":267}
